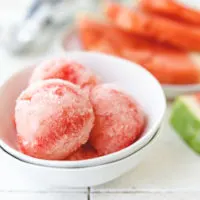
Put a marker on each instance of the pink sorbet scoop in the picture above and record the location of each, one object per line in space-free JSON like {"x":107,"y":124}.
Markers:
{"x":53,"y":119}
{"x":62,"y":68}
{"x":118,"y":120}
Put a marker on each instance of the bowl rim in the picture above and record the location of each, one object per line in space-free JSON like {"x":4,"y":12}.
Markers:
{"x":103,"y":159}
{"x":154,"y":137}
{"x":71,"y":29}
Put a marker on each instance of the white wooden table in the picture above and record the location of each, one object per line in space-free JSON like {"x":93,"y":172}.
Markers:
{"x":170,"y":171}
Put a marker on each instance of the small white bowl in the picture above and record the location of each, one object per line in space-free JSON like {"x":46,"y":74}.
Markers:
{"x":132,"y":78}
{"x":70,"y":42}
{"x":78,"y":177}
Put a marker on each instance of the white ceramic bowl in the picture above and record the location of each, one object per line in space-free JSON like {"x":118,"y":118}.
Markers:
{"x":78,"y":177}
{"x":132,"y":78}
{"x":70,"y":42}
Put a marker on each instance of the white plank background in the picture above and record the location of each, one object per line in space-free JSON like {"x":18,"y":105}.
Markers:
{"x":149,"y":196}
{"x":170,"y":171}
{"x":42,"y":196}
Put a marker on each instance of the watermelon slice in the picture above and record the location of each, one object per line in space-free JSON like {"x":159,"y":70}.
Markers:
{"x":172,"y":9}
{"x":185,"y":119}
{"x":168,"y":64}
{"x":155,"y":27}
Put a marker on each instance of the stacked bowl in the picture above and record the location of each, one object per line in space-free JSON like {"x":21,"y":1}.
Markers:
{"x":135,"y":80}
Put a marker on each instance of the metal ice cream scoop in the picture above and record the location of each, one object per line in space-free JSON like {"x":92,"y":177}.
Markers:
{"x":42,"y":19}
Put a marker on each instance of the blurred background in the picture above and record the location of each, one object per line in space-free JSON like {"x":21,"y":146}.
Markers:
{"x":33,"y":29}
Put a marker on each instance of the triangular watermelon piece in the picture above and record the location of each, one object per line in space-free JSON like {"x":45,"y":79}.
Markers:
{"x":172,"y":9}
{"x":148,"y":25}
{"x":185,"y":119}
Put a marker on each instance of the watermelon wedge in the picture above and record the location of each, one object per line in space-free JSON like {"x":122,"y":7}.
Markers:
{"x":168,"y":64}
{"x":172,"y":9}
{"x":185,"y":119}
{"x":153,"y":26}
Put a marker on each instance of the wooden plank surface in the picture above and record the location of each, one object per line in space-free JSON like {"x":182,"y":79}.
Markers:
{"x":149,"y":196}
{"x":41,"y":196}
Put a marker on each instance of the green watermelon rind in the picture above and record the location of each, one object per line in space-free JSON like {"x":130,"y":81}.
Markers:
{"x":195,"y":143}
{"x":186,"y":122}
